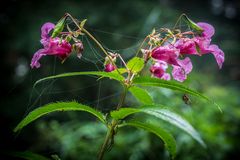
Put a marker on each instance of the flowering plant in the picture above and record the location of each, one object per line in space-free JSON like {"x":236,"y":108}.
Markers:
{"x":165,"y":50}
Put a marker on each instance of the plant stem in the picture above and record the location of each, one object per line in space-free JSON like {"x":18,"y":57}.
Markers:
{"x":105,"y":144}
{"x":111,"y":131}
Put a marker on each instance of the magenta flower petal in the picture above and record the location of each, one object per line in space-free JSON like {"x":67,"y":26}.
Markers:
{"x":218,"y":54}
{"x":109,"y":67}
{"x":202,"y":44}
{"x":60,"y":48}
{"x":186,"y":46}
{"x":36,"y":57}
{"x":46,"y":28}
{"x":180,"y":72}
{"x":166,"y":53}
{"x":166,"y":76}
{"x":186,"y":64}
{"x":208,"y":29}
{"x":159,"y":69}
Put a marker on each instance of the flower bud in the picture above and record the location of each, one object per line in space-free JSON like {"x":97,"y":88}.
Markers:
{"x":109,"y":67}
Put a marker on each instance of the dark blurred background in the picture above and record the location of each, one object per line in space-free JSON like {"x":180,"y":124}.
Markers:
{"x":120,"y":26}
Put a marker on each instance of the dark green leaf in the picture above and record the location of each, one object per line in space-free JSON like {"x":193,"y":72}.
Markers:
{"x":135,"y":64}
{"x":59,"y":106}
{"x":148,"y":81}
{"x":141,"y":94}
{"x":167,"y":138}
{"x":28,"y":155}
{"x":110,"y":75}
{"x":161,"y":113}
{"x":59,"y":27}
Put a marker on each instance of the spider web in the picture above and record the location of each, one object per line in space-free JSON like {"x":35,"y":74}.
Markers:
{"x":46,"y":92}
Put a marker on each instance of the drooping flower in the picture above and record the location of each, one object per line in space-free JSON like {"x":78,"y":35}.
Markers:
{"x":179,"y":73}
{"x":159,"y":70}
{"x":52,"y":46}
{"x":109,"y":67}
{"x":201,"y":44}
{"x":166,"y":53}
{"x":204,"y":45}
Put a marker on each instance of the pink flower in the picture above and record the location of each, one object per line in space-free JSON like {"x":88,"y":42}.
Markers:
{"x":159,"y":69}
{"x":109,"y":67}
{"x":179,"y":73}
{"x":201,"y":44}
{"x":166,"y":53}
{"x":52,"y":46}
{"x":208,"y":30}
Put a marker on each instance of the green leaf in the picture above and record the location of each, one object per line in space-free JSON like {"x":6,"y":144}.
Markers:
{"x":141,"y":94}
{"x":59,"y":27}
{"x":167,"y":138}
{"x":59,"y":106}
{"x":135,"y":64}
{"x":120,"y":70}
{"x":28,"y":155}
{"x":110,"y":75}
{"x":192,"y":24}
{"x":161,"y":113}
{"x":82,"y":23}
{"x":148,"y":81}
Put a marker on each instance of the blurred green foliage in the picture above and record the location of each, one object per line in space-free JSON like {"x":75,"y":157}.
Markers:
{"x":82,"y":139}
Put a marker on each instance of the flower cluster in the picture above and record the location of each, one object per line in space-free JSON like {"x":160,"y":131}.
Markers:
{"x":58,"y":47}
{"x":173,"y":53}
{"x":168,"y":49}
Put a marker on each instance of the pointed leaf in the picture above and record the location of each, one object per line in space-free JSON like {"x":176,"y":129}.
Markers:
{"x":141,"y":94}
{"x":82,"y":23}
{"x":59,"y":27}
{"x":161,"y":113}
{"x":148,"y":81}
{"x":59,"y":106}
{"x":135,"y":64}
{"x":167,"y":138}
{"x":110,"y":75}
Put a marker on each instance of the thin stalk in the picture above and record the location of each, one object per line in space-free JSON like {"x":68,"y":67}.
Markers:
{"x":111,"y":131}
{"x":179,"y":18}
{"x":105,"y":144}
{"x":123,"y":62}
{"x":141,"y":46}
{"x":100,"y":46}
